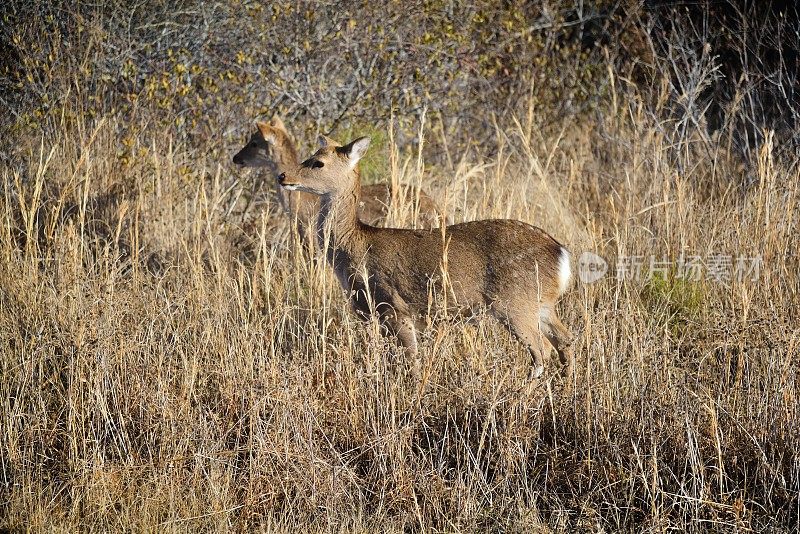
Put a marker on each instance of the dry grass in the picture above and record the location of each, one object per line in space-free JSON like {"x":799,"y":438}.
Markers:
{"x":173,"y":360}
{"x":173,"y":364}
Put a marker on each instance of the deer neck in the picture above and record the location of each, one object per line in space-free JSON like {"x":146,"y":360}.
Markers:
{"x":286,"y":159}
{"x":339,"y":228}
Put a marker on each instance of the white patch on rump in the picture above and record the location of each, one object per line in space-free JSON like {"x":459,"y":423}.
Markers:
{"x":564,"y":271}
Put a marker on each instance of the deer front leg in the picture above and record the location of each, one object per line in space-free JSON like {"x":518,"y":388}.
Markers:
{"x":403,"y":327}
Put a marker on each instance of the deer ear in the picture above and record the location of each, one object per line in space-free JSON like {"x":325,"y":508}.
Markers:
{"x":276,"y":122}
{"x":264,"y":128}
{"x":324,"y":141}
{"x":354,"y":150}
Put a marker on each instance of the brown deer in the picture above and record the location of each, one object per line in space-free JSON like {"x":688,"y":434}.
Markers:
{"x":512,"y":269}
{"x":271,"y":146}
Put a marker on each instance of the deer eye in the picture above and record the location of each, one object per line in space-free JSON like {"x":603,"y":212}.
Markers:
{"x":312,"y":164}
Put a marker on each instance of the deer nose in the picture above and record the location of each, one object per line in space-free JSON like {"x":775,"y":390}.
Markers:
{"x":281,"y":178}
{"x":237,"y":159}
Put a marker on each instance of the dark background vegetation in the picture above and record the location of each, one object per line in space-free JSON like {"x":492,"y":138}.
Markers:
{"x":198,"y":68}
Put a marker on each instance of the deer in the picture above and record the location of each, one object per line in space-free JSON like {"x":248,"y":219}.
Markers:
{"x":511,"y":269}
{"x":271,"y":146}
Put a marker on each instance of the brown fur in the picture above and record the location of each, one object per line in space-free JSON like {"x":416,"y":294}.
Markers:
{"x":272,"y":146}
{"x":510,"y":268}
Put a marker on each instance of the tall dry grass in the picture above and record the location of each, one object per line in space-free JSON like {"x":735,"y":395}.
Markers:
{"x":174,"y":361}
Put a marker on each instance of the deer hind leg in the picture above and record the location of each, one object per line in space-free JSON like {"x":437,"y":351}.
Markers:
{"x":526,"y":330}
{"x":560,"y":337}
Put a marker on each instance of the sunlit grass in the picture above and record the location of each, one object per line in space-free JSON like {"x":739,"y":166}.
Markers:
{"x":226,"y":386}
